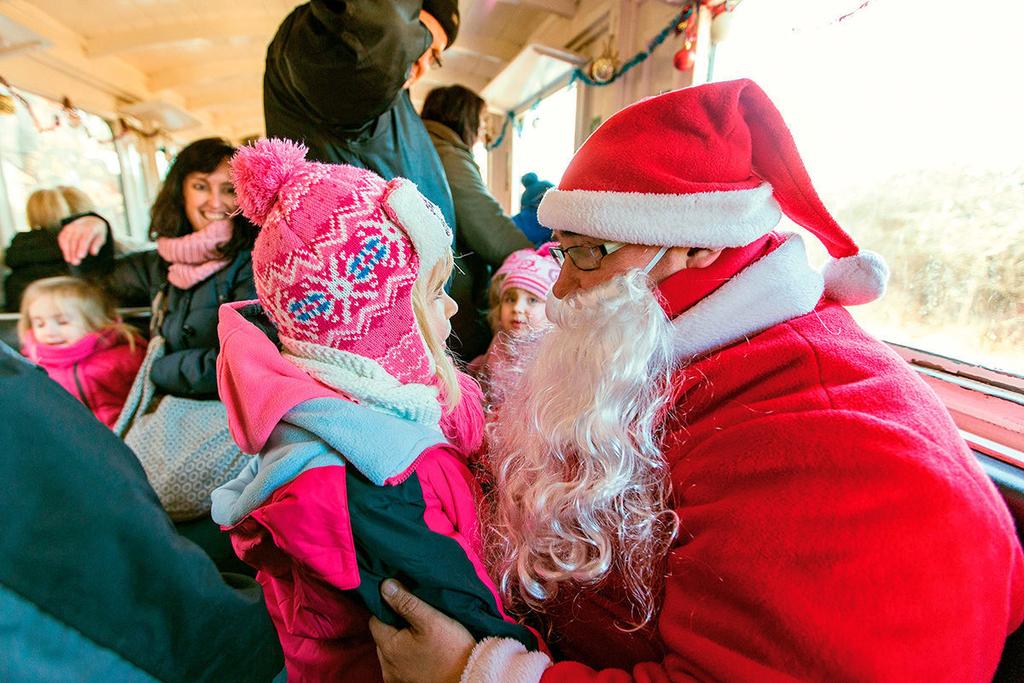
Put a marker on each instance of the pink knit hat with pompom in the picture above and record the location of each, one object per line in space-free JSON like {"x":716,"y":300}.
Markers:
{"x":529,"y":270}
{"x":338,"y":253}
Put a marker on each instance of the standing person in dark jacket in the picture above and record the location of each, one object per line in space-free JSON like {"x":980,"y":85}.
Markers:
{"x":94,"y":582}
{"x":35,"y":254}
{"x":203,"y":259}
{"x":337,"y":80}
{"x":484,"y":233}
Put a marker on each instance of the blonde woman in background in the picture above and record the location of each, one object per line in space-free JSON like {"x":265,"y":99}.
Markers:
{"x":35,"y":254}
{"x":78,"y":201}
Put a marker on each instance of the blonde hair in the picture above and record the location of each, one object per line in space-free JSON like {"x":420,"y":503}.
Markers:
{"x":494,"y":302}
{"x":96,"y":308}
{"x":447,"y":375}
{"x":78,"y":201}
{"x":46,"y":209}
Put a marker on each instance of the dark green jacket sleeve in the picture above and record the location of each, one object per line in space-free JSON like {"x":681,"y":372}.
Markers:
{"x":480,"y":223}
{"x":342,"y":63}
{"x":191,"y":372}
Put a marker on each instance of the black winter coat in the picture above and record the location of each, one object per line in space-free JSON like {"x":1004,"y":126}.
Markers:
{"x":333,"y":81}
{"x":94,"y":582}
{"x":189,"y":368}
{"x":34,"y":255}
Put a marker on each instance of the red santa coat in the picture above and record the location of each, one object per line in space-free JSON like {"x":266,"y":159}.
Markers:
{"x":833,"y":523}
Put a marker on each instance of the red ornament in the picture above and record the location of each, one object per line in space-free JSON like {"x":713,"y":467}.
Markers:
{"x":683,"y":59}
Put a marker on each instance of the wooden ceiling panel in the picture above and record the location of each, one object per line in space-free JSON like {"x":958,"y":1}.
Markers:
{"x":210,"y":53}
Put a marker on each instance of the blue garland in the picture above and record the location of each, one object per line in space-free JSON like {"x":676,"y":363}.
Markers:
{"x":509,"y":117}
{"x":639,"y":57}
{"x":579,"y":75}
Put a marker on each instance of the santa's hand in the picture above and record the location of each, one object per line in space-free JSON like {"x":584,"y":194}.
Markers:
{"x":85,"y":235}
{"x":432,"y":648}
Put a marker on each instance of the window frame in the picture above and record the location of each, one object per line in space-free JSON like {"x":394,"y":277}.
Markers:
{"x":987,"y":405}
{"x":8,"y":222}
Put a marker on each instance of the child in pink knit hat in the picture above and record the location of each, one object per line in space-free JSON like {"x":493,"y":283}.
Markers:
{"x":360,"y":476}
{"x":517,"y":296}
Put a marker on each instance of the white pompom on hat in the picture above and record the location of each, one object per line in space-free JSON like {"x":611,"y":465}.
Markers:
{"x":711,"y":166}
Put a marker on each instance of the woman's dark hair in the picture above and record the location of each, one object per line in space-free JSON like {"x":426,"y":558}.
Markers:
{"x":167,"y":217}
{"x":458,"y":108}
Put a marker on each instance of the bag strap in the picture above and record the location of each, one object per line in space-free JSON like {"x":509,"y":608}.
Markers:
{"x":159,"y":311}
{"x":142,"y":391}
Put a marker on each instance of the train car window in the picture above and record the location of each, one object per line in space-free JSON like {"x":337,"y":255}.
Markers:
{"x":480,"y":156}
{"x":164,"y":160}
{"x":910,"y":124}
{"x":544,"y":139}
{"x":83,"y":156}
{"x":135,"y":187}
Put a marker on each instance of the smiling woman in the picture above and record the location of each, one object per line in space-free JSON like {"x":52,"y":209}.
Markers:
{"x":202,"y":260}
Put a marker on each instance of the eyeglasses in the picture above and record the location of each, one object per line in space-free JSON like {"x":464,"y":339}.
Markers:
{"x":586,"y":257}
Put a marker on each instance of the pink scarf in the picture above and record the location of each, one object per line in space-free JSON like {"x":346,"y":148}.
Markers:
{"x":195,"y":257}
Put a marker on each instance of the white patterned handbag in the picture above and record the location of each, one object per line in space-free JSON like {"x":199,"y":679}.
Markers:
{"x":183,"y":444}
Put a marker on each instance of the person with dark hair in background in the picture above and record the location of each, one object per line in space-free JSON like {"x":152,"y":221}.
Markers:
{"x":202,"y":259}
{"x":484,"y":233}
{"x":337,"y":80}
{"x":94,"y":582}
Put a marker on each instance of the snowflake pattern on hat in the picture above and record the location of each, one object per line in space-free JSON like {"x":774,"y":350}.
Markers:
{"x":331,"y":265}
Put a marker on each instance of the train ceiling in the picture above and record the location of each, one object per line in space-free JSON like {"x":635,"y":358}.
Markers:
{"x":204,"y":58}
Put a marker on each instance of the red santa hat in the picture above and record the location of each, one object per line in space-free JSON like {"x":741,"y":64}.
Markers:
{"x":708,"y":166}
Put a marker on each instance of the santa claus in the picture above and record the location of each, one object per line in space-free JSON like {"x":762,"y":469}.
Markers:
{"x":710,"y":471}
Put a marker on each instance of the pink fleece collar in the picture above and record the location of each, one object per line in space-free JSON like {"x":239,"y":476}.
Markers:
{"x":56,"y":356}
{"x":257,"y":385}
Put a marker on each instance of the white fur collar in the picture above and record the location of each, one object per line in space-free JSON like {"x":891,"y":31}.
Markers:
{"x":775,"y":288}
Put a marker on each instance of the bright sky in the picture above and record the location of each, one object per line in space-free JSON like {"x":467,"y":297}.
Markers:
{"x":901,"y":83}
{"x":545,"y":144}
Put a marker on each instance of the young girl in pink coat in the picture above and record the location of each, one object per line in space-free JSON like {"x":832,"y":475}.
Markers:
{"x":517,"y":296}
{"x":338,"y":378}
{"x":71,"y":329}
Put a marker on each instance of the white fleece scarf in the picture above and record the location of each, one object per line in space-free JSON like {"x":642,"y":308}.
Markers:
{"x":365,"y":380}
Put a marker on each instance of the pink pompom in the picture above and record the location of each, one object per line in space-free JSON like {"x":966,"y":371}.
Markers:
{"x":260,"y":170}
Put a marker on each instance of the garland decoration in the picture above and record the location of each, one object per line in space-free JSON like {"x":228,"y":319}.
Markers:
{"x":639,"y":57}
{"x":72,"y":116}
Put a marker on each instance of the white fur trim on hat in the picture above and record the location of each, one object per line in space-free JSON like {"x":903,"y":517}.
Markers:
{"x":857,"y":279}
{"x":421,"y":220}
{"x":731,"y":218}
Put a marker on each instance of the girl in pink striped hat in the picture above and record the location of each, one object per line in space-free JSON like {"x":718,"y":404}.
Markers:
{"x":518,"y":294}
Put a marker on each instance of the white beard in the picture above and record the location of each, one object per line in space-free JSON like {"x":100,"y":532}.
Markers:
{"x":580,"y":481}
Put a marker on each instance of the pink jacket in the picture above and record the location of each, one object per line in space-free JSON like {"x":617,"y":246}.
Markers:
{"x":341,"y":497}
{"x":98,"y":369}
